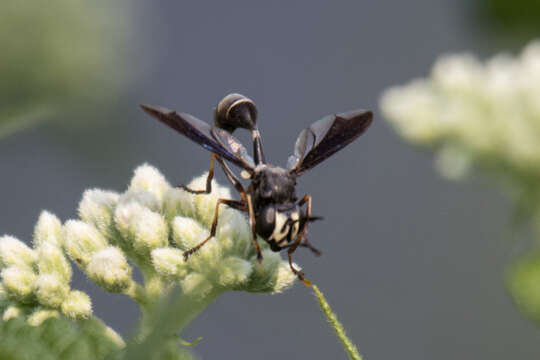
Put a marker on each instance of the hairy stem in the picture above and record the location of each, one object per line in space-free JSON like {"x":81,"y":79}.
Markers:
{"x":170,"y":316}
{"x":351,"y":349}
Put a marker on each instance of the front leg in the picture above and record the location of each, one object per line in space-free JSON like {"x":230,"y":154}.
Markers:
{"x":308,"y":245}
{"x":239,"y":205}
{"x":209,"y":178}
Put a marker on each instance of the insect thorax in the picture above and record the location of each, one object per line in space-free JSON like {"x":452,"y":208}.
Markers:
{"x":273,"y":184}
{"x":274,"y":197}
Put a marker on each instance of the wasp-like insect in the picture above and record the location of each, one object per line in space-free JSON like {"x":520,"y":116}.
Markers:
{"x":275,"y":213}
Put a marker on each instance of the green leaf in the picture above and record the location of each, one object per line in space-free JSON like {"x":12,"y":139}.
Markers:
{"x":523,"y":283}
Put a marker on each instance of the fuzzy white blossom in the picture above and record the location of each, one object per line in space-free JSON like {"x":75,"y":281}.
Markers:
{"x":52,"y":260}
{"x":147,"y":178}
{"x":188,"y":232}
{"x":155,"y":223}
{"x":48,"y":230}
{"x":36,"y":281}
{"x":18,"y":281}
{"x":474,"y":112}
{"x":150,"y":226}
{"x":109,"y":268}
{"x":170,"y":262}
{"x":15,"y":252}
{"x":82,"y":241}
{"x":51,"y":290}
{"x":77,"y":305}
{"x":486,"y":114}
{"x":96,"y":208}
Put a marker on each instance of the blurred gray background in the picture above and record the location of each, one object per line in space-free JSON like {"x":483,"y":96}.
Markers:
{"x":412,"y":264}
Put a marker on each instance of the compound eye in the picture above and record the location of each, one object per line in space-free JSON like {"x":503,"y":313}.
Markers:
{"x":266,"y":221}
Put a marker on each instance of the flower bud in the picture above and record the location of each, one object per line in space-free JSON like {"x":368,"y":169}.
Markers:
{"x":284,"y":278}
{"x":145,"y":229}
{"x":15,"y":252}
{"x":125,"y":215}
{"x":234,"y":234}
{"x":187,"y":233}
{"x":151,"y":231}
{"x":234,"y":271}
{"x":149,"y":179}
{"x":274,"y":276}
{"x":142,"y":197}
{"x":51,"y":290}
{"x":196,"y":284}
{"x":48,"y":230}
{"x":39,"y":316}
{"x":18,"y":281}
{"x":109,"y":269}
{"x":53,"y":261}
{"x":169,"y":262}
{"x":206,"y":204}
{"x":178,"y":202}
{"x":96,"y":208}
{"x":77,"y":305}
{"x":82,"y":240}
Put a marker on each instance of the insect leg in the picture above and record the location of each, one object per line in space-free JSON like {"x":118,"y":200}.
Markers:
{"x":297,"y":272}
{"x":298,"y":240}
{"x":253,"y":231}
{"x":239,"y":205}
{"x":209,"y":178}
{"x":308,"y":245}
{"x":232,"y":177}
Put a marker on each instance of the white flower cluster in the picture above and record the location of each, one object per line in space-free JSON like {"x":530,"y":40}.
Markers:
{"x":150,"y":225}
{"x":182,"y":220}
{"x":35,"y":281}
{"x":474,"y":112}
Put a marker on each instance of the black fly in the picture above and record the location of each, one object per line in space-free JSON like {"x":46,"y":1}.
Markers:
{"x":275,"y":213}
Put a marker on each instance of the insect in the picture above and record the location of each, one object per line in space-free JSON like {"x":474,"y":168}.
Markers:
{"x":275,"y":212}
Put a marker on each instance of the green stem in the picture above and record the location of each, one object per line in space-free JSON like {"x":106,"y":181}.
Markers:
{"x":167,"y":319}
{"x":351,"y":349}
{"x":95,"y":325}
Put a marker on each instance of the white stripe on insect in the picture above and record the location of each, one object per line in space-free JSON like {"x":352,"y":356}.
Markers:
{"x":279,"y":236}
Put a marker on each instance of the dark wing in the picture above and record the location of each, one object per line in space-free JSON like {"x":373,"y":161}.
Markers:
{"x":326,"y":136}
{"x":215,"y":140}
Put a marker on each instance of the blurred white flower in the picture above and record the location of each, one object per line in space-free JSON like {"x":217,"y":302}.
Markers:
{"x":40,"y":315}
{"x":486,"y":113}
{"x":11,"y":312}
